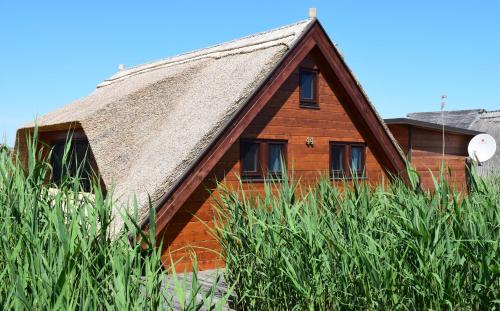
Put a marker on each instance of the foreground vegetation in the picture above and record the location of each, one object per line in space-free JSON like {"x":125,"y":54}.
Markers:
{"x":359,"y":248}
{"x":57,"y":252}
{"x":321,"y":248}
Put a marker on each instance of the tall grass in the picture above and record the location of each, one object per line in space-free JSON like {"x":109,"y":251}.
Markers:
{"x":57,"y":252}
{"x":362,"y":248}
{"x":290,"y":248}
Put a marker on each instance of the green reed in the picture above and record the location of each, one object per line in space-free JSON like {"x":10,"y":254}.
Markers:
{"x":359,"y":247}
{"x":58,"y":252}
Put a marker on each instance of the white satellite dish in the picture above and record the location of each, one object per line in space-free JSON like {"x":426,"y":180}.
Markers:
{"x":482,"y":147}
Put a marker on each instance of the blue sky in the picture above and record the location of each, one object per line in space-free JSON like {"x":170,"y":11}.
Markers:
{"x":404,"y":53}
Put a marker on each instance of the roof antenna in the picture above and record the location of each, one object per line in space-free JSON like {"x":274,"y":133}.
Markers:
{"x":312,"y":13}
{"x":443,"y":103}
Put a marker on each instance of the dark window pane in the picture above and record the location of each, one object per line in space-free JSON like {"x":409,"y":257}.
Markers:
{"x":80,"y":162}
{"x":250,"y":157}
{"x":275,"y":158}
{"x":57,"y":157}
{"x":338,"y":160}
{"x":356,"y":158}
{"x":307,"y":85}
{"x":77,"y":161}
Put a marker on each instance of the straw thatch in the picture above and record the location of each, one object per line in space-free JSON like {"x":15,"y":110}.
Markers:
{"x":147,"y":124}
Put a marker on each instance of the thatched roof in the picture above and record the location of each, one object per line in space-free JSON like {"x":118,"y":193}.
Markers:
{"x":475,"y":119}
{"x":147,"y":124}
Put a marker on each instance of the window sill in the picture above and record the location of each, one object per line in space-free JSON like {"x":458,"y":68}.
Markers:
{"x":348,"y":178}
{"x":309,"y":105}
{"x":261,"y":179}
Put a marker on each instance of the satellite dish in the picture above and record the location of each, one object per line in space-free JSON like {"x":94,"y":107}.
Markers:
{"x":482,"y":147}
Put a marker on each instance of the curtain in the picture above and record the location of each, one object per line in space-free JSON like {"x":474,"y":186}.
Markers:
{"x":356,"y":157}
{"x":275,"y":158}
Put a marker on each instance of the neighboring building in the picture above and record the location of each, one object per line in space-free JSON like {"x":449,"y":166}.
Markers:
{"x":422,"y":143}
{"x":476,"y":119}
{"x":170,"y":128}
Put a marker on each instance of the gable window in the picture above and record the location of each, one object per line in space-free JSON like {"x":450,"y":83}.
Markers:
{"x":347,"y":160}
{"x":77,"y":163}
{"x":308,"y":88}
{"x":262,"y":158}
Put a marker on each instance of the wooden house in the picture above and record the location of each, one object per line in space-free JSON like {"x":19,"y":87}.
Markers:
{"x":168,"y":129}
{"x":479,"y":120}
{"x":422,"y":143}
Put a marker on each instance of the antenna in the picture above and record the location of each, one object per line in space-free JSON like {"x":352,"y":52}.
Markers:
{"x":443,"y":103}
{"x":481,"y":148}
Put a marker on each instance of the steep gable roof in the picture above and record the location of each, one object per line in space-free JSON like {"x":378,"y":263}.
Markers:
{"x":153,"y":128}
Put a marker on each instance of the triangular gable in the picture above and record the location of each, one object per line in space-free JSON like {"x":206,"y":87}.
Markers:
{"x":314,"y":41}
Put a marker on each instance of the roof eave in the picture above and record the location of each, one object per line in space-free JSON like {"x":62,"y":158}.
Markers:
{"x":431,"y":126}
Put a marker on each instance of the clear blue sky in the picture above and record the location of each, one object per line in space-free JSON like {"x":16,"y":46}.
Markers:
{"x":404,"y":53}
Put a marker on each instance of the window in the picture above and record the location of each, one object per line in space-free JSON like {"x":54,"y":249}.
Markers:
{"x":250,"y":158}
{"x":357,"y":159}
{"x":276,"y":152}
{"x":262,"y":158}
{"x":78,"y":158}
{"x":347,"y":160}
{"x":308,"y":88}
{"x":337,"y":162}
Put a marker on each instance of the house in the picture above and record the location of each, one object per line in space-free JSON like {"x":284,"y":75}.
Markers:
{"x":167,"y":130}
{"x":473,"y":119}
{"x":422,"y":143}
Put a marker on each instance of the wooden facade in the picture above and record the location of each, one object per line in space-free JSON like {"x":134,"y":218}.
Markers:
{"x":335,"y":72}
{"x":423,"y":146}
{"x":281,"y":119}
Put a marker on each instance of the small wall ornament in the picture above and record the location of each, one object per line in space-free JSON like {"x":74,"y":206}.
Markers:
{"x":309,"y":141}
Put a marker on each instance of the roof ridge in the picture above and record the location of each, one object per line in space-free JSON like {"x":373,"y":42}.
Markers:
{"x":200,"y":53}
{"x":219,"y":44}
{"x":167,"y":63}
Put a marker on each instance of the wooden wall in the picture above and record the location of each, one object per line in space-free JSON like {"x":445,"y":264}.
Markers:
{"x":424,"y":149}
{"x":401,"y":134}
{"x":282,"y":118}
